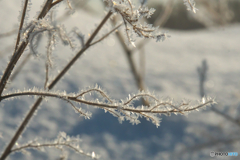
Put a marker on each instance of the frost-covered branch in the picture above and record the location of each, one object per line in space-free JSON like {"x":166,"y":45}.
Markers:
{"x":124,"y":110}
{"x":53,"y":30}
{"x":21,"y":23}
{"x":190,"y":5}
{"x":21,"y":47}
{"x":61,"y":142}
{"x":132,"y":16}
{"x":18,"y":54}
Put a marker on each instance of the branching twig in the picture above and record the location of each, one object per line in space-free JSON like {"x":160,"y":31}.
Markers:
{"x":123,"y":110}
{"x":21,"y":24}
{"x":62,"y":141}
{"x":106,"y":35}
{"x":137,"y":77}
{"x":86,"y":46}
{"x":4,"y":79}
{"x":190,"y":5}
{"x":18,"y":53}
{"x":160,"y":20}
{"x":61,"y":74}
{"x":158,"y":107}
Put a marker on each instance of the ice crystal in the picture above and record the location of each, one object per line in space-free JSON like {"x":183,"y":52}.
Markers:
{"x":190,"y":5}
{"x":132,"y":16}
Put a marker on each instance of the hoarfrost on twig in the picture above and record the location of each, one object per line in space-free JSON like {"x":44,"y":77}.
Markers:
{"x":124,"y":109}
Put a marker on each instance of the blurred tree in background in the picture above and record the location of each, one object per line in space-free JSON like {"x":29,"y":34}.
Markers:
{"x":210,"y":13}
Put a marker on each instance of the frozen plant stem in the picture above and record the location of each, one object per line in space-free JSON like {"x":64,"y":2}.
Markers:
{"x":19,"y":68}
{"x":137,"y":76}
{"x":86,"y":46}
{"x":60,"y":75}
{"x":160,"y":21}
{"x":21,"y":24}
{"x":56,"y":144}
{"x":19,"y":51}
{"x":19,"y":131}
{"x":123,"y":110}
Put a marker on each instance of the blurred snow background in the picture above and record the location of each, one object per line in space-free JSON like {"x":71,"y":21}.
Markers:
{"x":171,"y":71}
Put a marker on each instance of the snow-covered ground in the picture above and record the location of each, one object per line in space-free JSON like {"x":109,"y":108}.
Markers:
{"x":171,"y":71}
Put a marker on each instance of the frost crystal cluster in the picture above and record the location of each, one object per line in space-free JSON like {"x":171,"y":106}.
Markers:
{"x":132,"y":16}
{"x":190,"y":5}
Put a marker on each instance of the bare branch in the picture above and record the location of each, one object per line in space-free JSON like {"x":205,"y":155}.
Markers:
{"x":106,"y":35}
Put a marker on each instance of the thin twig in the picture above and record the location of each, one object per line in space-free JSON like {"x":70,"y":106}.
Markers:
{"x":160,"y":21}
{"x":175,"y":109}
{"x":19,"y":131}
{"x":21,"y":24}
{"x":18,"y":53}
{"x":135,"y":73}
{"x":48,"y":5}
{"x":106,"y":35}
{"x":75,"y":58}
{"x":19,"y":68}
{"x":62,"y":141}
{"x":95,"y":90}
{"x":56,"y":2}
{"x":30,"y":146}
{"x":24,"y":62}
{"x":38,"y":102}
